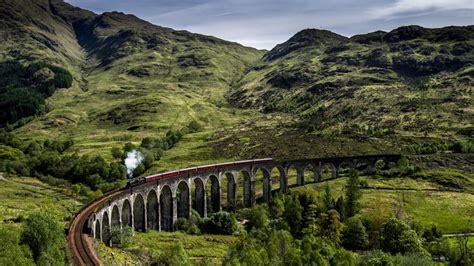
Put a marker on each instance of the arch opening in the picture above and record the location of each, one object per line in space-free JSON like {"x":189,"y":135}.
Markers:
{"x":263,"y":177}
{"x":345,"y":167}
{"x":116,"y":224}
{"x":292,"y":176}
{"x":213,"y":194}
{"x":105,"y":228}
{"x":327,"y":171}
{"x":277,"y":175}
{"x":182,"y":195}
{"x":152,"y":211}
{"x":126,"y":213}
{"x":199,"y":203}
{"x":310,"y":173}
{"x":228,"y":192}
{"x":139,"y":213}
{"x":248,"y":190}
{"x":97,"y":229}
{"x":115,"y":217}
{"x":166,"y":209}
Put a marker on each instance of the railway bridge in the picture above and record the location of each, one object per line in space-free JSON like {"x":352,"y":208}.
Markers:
{"x":156,"y":202}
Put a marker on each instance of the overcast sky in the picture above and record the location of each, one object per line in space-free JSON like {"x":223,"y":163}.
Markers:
{"x":265,"y":23}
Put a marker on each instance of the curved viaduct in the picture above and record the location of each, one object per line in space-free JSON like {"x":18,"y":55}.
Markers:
{"x":158,"y":201}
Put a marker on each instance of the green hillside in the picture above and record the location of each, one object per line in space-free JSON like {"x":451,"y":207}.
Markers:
{"x":412,"y":81}
{"x":79,"y":90}
{"x":131,"y":78}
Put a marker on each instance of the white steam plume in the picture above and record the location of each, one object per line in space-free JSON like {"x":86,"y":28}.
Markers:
{"x":134,"y":158}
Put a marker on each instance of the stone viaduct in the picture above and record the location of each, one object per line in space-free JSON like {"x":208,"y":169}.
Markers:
{"x":157,"y":202}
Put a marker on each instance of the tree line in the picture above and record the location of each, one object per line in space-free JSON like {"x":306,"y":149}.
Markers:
{"x":24,"y":88}
{"x":308,"y":228}
{"x":55,"y":161}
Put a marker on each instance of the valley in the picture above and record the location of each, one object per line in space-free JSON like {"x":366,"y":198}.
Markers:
{"x":79,"y":91}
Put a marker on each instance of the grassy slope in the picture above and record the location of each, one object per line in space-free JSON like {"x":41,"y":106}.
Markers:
{"x":141,"y":89}
{"x":19,"y":196}
{"x":346,"y":84}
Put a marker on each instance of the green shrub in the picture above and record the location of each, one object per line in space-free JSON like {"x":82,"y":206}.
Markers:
{"x":375,"y":258}
{"x":11,"y":252}
{"x":220,"y":223}
{"x":175,"y":256}
{"x":354,"y":235}
{"x":257,"y":217}
{"x":10,"y":153}
{"x":45,"y":237}
{"x":412,"y":259}
{"x":121,"y":237}
{"x":398,"y":237}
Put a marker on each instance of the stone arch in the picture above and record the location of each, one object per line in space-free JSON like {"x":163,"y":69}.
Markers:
{"x":115,"y":223}
{"x":199,"y":197}
{"x":152,"y":211}
{"x":266,"y":184}
{"x":248,"y":189}
{"x":345,"y":167}
{"x":228,"y":191}
{"x":166,"y":208}
{"x":182,"y":196}
{"x":310,"y":173}
{"x":213,"y":194}
{"x":115,"y":216}
{"x":292,"y":176}
{"x":98,"y":232}
{"x":327,"y":171}
{"x":105,"y":228}
{"x":279,"y":177}
{"x":127,"y":218}
{"x":380,"y":164}
{"x":139,"y":213}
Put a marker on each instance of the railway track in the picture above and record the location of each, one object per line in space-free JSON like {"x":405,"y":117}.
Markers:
{"x":81,"y":250}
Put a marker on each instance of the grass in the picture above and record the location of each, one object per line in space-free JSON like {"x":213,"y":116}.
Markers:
{"x":146,"y":246}
{"x":20,"y":196}
{"x":412,"y":199}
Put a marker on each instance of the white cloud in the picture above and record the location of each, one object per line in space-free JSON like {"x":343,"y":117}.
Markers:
{"x":408,"y":7}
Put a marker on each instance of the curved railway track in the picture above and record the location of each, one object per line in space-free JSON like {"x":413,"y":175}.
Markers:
{"x":81,"y":250}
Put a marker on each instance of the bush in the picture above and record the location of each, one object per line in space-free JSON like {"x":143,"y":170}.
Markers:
{"x":375,"y":258}
{"x":223,"y":223}
{"x":330,"y":223}
{"x":175,"y":256}
{"x":11,"y":252}
{"x":412,"y":259}
{"x":45,"y":237}
{"x":10,"y":153}
{"x":398,"y":237}
{"x":257,"y":217}
{"x":354,"y":235}
{"x":121,"y":237}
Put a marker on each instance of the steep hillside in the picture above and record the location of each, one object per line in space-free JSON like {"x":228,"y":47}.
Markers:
{"x":131,"y":78}
{"x":411,"y":81}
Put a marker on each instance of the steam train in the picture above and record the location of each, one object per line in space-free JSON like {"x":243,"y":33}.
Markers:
{"x":193,"y":170}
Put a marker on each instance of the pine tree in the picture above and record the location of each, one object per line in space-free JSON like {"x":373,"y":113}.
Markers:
{"x":351,"y":206}
{"x":328,"y":201}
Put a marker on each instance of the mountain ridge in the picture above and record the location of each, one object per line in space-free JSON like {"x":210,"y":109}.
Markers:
{"x":135,"y":79}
